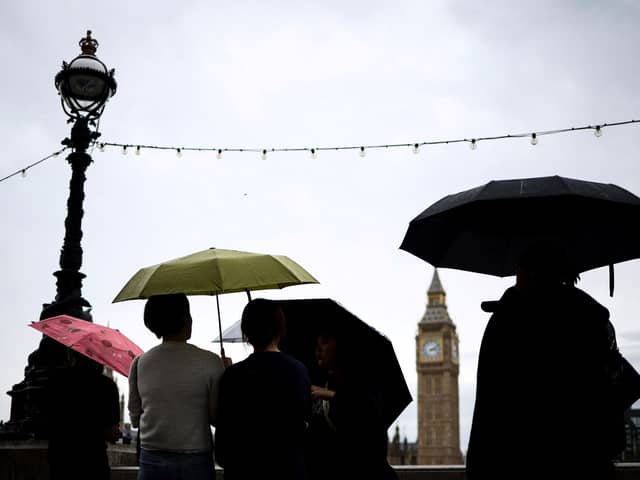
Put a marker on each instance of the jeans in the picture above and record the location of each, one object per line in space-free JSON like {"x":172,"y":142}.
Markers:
{"x":158,"y":465}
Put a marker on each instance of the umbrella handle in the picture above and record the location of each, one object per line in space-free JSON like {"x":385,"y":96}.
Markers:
{"x":611,"y":280}
{"x":220,"y":327}
{"x":248,"y":294}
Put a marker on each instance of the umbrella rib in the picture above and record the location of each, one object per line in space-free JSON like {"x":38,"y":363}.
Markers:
{"x":565,"y":183}
{"x":290,"y":270}
{"x":219,"y":272}
{"x":282,"y":266}
{"x":149,"y":272}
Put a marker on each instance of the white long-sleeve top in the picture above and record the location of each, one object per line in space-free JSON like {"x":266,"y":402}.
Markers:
{"x":173,"y":397}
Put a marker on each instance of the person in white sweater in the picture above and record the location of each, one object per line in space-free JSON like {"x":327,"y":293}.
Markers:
{"x":173,"y":391}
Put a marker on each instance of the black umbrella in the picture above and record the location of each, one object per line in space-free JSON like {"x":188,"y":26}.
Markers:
{"x":484,"y":229}
{"x":369,"y":355}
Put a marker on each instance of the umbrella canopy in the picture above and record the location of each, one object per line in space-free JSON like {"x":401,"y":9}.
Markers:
{"x":105,"y":345}
{"x":368,"y":353}
{"x":213,"y":272}
{"x":484,"y":229}
{"x":232,"y":334}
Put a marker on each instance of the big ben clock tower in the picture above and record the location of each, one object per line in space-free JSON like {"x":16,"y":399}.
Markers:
{"x":437,"y":366}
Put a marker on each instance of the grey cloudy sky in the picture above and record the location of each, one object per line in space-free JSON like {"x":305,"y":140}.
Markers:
{"x":284,"y":74}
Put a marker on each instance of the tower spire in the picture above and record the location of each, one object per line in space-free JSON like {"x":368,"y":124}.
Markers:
{"x":436,"y":285}
{"x":436,"y":296}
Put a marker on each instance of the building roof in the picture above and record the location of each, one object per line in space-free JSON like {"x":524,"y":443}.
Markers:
{"x":436,"y":314}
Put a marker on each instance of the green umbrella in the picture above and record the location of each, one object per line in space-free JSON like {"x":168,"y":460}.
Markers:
{"x":213,"y":272}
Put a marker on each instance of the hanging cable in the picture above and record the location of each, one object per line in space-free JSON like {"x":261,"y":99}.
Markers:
{"x":473,"y":143}
{"x":23,"y":171}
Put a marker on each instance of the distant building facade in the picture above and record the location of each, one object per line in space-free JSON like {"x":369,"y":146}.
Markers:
{"x":401,"y":452}
{"x":632,"y":428}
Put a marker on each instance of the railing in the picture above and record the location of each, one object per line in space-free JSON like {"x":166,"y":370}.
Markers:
{"x":624,"y":471}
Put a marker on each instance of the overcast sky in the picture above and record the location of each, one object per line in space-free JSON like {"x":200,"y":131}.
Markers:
{"x":275,"y":74}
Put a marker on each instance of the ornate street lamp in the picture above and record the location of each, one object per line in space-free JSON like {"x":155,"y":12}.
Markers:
{"x":85,"y":84}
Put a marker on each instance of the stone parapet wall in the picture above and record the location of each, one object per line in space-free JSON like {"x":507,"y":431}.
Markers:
{"x":27,"y":460}
{"x":23,"y":460}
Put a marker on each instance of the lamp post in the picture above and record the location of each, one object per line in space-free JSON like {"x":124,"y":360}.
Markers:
{"x":84,"y":85}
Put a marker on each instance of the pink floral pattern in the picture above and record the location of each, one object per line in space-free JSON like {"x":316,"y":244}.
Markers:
{"x":105,"y":345}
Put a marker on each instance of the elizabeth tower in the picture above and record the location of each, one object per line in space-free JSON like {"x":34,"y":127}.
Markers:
{"x":437,"y":366}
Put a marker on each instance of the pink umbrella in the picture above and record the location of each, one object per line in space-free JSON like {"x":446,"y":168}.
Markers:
{"x":105,"y":345}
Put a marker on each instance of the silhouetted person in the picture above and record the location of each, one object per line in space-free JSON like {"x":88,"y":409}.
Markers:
{"x":173,"y":391}
{"x":347,"y":437}
{"x":543,"y":404}
{"x":264,"y":404}
{"x":84,"y":413}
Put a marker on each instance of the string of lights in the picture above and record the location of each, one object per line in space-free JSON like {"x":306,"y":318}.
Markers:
{"x":362,"y":149}
{"x":313,"y":151}
{"x":23,"y":171}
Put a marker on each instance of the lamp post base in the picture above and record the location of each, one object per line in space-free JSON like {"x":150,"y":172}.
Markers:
{"x":28,"y":417}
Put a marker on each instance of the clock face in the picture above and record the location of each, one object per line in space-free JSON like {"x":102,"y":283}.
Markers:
{"x":431,"y":349}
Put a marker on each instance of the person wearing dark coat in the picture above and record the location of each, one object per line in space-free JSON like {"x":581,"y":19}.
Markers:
{"x":543,"y":405}
{"x":347,"y":437}
{"x":84,"y":414}
{"x":264,"y":404}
